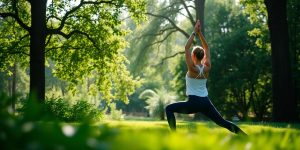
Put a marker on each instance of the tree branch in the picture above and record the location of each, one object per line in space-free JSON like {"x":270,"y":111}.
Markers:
{"x":52,"y":16}
{"x":23,"y":37}
{"x":160,"y":32}
{"x":168,"y":57}
{"x":165,"y":38}
{"x":18,"y":52}
{"x":14,"y":47}
{"x":170,"y":6}
{"x":16,"y":17}
{"x":48,"y":41}
{"x":67,"y":36}
{"x":171,"y":21}
{"x":160,"y":41}
{"x":74,"y":9}
{"x":69,"y":47}
{"x":188,"y":12}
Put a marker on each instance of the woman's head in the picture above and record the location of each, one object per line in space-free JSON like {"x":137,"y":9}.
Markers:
{"x":197,"y":54}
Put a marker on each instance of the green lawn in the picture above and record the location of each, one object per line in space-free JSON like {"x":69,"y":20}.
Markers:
{"x":145,"y":135}
{"x":201,"y":135}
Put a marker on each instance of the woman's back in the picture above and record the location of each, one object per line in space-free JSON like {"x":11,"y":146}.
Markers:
{"x":196,"y":86}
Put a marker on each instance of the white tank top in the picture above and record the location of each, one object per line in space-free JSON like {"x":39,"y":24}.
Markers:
{"x":196,"y":86}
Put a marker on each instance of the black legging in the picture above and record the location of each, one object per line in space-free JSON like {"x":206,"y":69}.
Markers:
{"x":199,"y":104}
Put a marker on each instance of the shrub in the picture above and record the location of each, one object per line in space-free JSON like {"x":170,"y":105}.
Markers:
{"x":114,"y":113}
{"x":59,"y":109}
{"x":83,"y":110}
{"x":80,"y":111}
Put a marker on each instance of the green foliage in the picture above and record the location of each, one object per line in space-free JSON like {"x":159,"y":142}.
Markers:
{"x":179,"y":78}
{"x":115,"y":114}
{"x":21,"y":132}
{"x":80,"y":111}
{"x":14,"y":43}
{"x":101,"y":58}
{"x":83,"y":110}
{"x":157,"y":100}
{"x":14,"y":46}
{"x":149,"y":41}
{"x":241,"y":71}
{"x":59,"y":108}
{"x":256,"y":10}
{"x":22,"y":81}
{"x":95,"y":48}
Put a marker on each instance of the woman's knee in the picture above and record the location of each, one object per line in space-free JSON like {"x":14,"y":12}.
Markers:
{"x":169,"y":108}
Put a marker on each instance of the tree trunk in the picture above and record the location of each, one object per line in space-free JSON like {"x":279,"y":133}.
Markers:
{"x":62,"y":87}
{"x":284,"y":102}
{"x":294,"y":33}
{"x":1,"y":82}
{"x":14,"y":90}
{"x":37,"y":49}
{"x":199,"y":5}
{"x":162,"y":115}
{"x":9,"y":85}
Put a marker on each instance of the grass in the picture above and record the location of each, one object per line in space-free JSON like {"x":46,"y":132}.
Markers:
{"x":155,"y":135}
{"x":145,"y":134}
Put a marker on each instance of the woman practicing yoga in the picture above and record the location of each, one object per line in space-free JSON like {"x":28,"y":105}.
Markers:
{"x":198,"y":63}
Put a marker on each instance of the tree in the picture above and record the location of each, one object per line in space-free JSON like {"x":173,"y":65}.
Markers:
{"x":163,"y":23}
{"x":284,"y":100}
{"x":236,"y":82}
{"x":81,"y":33}
{"x":293,"y":9}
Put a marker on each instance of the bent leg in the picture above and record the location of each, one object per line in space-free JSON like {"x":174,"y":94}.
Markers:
{"x":215,"y":116}
{"x":180,"y":107}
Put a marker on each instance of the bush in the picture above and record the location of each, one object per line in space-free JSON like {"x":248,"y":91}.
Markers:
{"x":59,"y":109}
{"x":80,"y":111}
{"x":23,"y":132}
{"x":83,"y":110}
{"x":114,"y":113}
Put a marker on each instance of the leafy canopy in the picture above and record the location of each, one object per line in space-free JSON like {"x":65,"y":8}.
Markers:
{"x":90,"y":41}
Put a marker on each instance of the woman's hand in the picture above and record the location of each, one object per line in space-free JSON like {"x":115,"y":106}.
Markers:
{"x":197,"y":27}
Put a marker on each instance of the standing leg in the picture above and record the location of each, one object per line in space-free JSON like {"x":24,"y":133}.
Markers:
{"x":180,"y":107}
{"x":215,"y":116}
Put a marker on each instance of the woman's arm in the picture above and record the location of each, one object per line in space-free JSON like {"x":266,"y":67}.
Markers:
{"x":188,"y":45}
{"x":206,"y":58}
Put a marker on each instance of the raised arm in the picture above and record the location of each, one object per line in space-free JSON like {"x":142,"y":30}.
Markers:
{"x":206,"y":58}
{"x":188,"y":45}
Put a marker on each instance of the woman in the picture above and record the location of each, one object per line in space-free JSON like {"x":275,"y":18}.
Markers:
{"x":198,"y":63}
